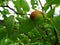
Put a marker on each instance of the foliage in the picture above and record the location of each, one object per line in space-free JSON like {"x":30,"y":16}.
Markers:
{"x":24,"y":31}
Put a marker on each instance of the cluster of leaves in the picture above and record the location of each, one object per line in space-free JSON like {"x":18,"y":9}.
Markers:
{"x":27,"y":32}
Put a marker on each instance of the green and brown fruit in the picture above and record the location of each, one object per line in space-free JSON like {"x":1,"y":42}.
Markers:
{"x":36,"y":15}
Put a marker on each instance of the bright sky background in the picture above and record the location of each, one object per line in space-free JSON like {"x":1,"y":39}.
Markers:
{"x":39,"y":7}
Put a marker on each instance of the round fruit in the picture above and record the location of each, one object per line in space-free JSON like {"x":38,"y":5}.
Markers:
{"x":36,"y":15}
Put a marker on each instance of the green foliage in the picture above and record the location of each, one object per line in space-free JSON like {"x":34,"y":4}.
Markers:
{"x":50,"y":13}
{"x":9,"y":22}
{"x":3,"y":2}
{"x":53,"y":2}
{"x":21,"y":5}
{"x":34,"y":3}
{"x":46,"y":6}
{"x":2,"y":33}
{"x":26,"y":25}
{"x":56,"y":22}
{"x":21,"y":30}
{"x":23,"y":39}
{"x":4,"y":12}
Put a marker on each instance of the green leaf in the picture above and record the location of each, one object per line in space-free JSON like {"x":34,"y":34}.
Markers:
{"x":53,"y":2}
{"x":2,"y":33}
{"x":3,"y":2}
{"x":9,"y":22}
{"x":34,"y":3}
{"x":51,"y":13}
{"x":46,"y":6}
{"x":23,"y":39}
{"x":56,"y":22}
{"x":24,"y":5}
{"x":4,"y":12}
{"x":10,"y":28}
{"x":13,"y":35}
{"x":26,"y":26}
{"x":21,"y":5}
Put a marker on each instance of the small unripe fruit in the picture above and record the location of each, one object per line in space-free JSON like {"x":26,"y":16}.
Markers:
{"x":36,"y":15}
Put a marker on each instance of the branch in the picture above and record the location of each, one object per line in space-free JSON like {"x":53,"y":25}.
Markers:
{"x":51,"y":8}
{"x":3,"y":6}
{"x":14,"y":10}
{"x":41,"y":5}
{"x":56,"y":36}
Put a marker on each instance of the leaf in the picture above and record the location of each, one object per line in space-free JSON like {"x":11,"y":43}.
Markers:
{"x":21,"y":4}
{"x":10,"y":25}
{"x":46,"y":6}
{"x":26,"y":26}
{"x":4,"y":12}
{"x":56,"y":23}
{"x":9,"y":22}
{"x":13,"y":36}
{"x":24,"y":39}
{"x":24,"y":5}
{"x":2,"y":33}
{"x":36,"y":35}
{"x":53,"y":2}
{"x":50,"y":13}
{"x":34,"y":3}
{"x":1,"y":2}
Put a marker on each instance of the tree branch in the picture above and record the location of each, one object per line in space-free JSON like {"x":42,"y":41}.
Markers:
{"x":51,"y":8}
{"x":56,"y":36}
{"x":14,"y":10}
{"x":41,"y":5}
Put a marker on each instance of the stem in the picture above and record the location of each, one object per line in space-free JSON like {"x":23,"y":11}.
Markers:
{"x":14,"y":10}
{"x":56,"y":36}
{"x":51,"y":9}
{"x":41,"y":5}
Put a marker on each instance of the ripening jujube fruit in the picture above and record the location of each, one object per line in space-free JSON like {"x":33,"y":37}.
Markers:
{"x":36,"y":15}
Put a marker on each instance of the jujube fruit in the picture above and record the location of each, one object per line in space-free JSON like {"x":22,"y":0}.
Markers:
{"x":36,"y":15}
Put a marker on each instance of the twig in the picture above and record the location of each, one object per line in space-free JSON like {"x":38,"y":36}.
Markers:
{"x":3,"y":6}
{"x":56,"y":36}
{"x":41,"y":5}
{"x":14,"y":10}
{"x":51,"y":8}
